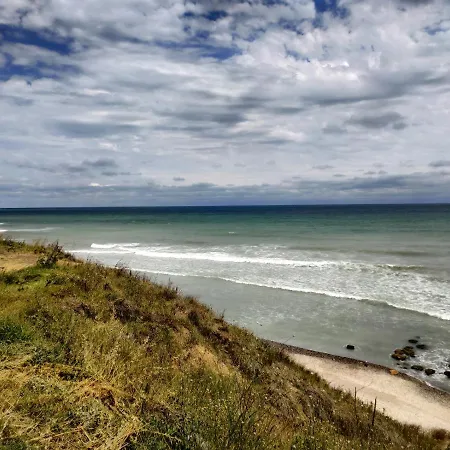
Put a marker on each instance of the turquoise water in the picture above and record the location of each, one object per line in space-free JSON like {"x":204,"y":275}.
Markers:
{"x":319,"y":277}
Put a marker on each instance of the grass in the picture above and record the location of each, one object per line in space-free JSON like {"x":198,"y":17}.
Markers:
{"x":96,"y":357}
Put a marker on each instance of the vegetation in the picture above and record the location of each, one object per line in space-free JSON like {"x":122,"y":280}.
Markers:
{"x":96,"y":357}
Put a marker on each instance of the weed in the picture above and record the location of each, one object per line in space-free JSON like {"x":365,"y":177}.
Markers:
{"x":13,"y":444}
{"x":51,"y":256}
{"x":9,"y":278}
{"x":11,"y":332}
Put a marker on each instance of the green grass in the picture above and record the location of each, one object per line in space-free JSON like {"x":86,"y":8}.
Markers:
{"x":11,"y":332}
{"x":96,"y":357}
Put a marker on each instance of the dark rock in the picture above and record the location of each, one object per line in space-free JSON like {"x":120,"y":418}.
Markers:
{"x":429,"y":372}
{"x":350,"y":347}
{"x":422,"y":346}
{"x":417,"y":367}
{"x":447,"y":373}
{"x":413,"y":341}
{"x":408,"y":350}
{"x":398,"y":356}
{"x":399,"y":351}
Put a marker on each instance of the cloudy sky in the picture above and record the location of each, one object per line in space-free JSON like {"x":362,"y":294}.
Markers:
{"x":192,"y":102}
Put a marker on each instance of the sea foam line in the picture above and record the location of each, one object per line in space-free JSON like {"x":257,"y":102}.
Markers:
{"x":374,"y":302}
{"x":32,"y":230}
{"x":99,"y":249}
{"x":217,"y":257}
{"x":111,"y":246}
{"x":251,"y":283}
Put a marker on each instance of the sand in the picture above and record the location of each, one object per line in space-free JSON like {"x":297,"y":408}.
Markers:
{"x":399,"y":396}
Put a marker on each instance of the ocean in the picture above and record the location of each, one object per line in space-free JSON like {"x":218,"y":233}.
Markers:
{"x":318,"y":277}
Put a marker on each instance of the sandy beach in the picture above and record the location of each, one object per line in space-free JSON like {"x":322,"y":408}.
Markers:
{"x":400,"y":396}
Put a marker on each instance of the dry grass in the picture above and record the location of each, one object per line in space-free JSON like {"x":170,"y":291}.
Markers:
{"x":92,"y":357}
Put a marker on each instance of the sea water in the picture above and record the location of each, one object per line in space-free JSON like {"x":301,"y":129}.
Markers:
{"x":318,"y":277}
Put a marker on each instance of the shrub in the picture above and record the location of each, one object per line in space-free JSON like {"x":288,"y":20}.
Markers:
{"x":50,"y":257}
{"x":12,"y":444}
{"x":11,"y":332}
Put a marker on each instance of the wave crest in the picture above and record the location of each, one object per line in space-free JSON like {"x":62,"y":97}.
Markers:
{"x":32,"y":230}
{"x":232,"y":258}
{"x":112,"y":246}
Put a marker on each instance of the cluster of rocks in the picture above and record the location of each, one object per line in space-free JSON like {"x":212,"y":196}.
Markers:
{"x":407,"y":352}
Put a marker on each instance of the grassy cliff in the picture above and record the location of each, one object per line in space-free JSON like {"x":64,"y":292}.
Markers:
{"x":96,"y":357}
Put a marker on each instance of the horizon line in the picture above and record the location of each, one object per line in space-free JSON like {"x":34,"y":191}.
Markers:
{"x":225,"y":206}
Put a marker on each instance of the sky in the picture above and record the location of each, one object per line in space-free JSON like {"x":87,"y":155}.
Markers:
{"x":208,"y":102}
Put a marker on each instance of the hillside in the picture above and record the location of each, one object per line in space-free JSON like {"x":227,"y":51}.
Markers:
{"x":97,"y":357}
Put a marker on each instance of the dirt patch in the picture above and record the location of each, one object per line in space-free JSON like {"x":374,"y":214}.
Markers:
{"x":16,"y":261}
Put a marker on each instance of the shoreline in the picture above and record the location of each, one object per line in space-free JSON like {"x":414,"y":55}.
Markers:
{"x":357,"y":363}
{"x":400,"y":396}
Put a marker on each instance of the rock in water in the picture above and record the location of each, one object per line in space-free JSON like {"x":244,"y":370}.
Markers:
{"x":413,"y":341}
{"x":421,"y":346}
{"x":430,"y":371}
{"x":350,"y":347}
{"x":408,"y":350}
{"x":419,"y":368}
{"x":447,"y":373}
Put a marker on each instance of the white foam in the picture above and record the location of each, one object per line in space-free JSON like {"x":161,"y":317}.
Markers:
{"x":229,"y":258}
{"x":32,"y":230}
{"x":155,"y":252}
{"x":110,"y":246}
{"x":440,"y":315}
{"x":114,"y":251}
{"x":252,"y":283}
{"x":210,"y":256}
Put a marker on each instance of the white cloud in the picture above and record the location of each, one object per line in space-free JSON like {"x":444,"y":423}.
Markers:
{"x":140,"y":87}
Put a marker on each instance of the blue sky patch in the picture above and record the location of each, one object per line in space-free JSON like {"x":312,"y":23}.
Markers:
{"x":35,"y":72}
{"x":44,"y":39}
{"x":323,"y":6}
{"x":215,"y":15}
